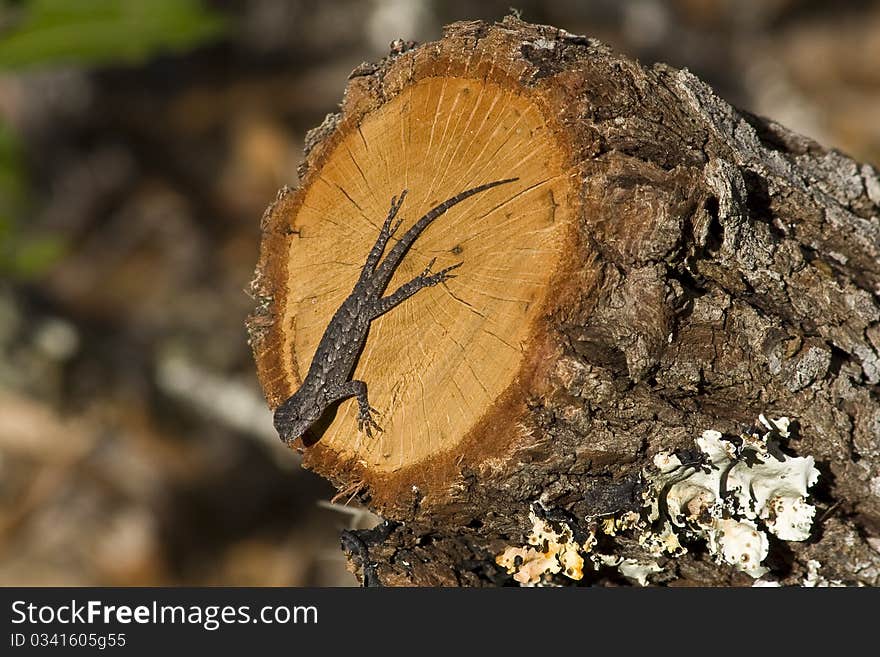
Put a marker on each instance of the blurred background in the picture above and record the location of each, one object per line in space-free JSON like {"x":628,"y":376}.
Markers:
{"x":140,"y":141}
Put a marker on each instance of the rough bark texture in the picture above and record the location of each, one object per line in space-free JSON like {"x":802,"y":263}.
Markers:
{"x":730,"y":268}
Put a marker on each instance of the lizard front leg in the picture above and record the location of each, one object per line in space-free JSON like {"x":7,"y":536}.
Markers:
{"x":357,"y":389}
{"x":405,"y":291}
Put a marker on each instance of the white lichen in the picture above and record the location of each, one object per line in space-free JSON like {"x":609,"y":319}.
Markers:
{"x":638,"y":571}
{"x":733,"y":496}
{"x":815,"y":580}
{"x":662,"y":541}
{"x":544,"y":44}
{"x":740,"y":491}
{"x":740,"y":544}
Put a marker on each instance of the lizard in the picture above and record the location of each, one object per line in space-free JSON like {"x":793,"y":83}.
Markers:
{"x":330,"y":376}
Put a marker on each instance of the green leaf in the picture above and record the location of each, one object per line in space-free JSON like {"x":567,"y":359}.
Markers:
{"x":52,"y":32}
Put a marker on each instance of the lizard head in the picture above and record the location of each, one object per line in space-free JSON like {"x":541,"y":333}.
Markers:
{"x":294,"y":417}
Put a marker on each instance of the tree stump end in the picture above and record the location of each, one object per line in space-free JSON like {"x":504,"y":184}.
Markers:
{"x":451,"y":370}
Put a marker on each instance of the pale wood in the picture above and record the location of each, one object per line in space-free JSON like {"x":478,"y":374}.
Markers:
{"x":435,"y":364}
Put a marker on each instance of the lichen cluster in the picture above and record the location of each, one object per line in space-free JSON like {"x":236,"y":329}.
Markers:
{"x":739,"y":492}
{"x":733,"y":496}
{"x":549,"y":551}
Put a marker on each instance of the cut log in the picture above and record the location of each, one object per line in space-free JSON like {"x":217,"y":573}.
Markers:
{"x":448,"y":370}
{"x":663,"y":265}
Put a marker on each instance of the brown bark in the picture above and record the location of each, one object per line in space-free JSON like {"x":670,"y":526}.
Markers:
{"x":713,"y":266}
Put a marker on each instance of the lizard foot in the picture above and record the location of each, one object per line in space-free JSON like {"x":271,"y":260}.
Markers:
{"x":365,"y":421}
{"x":428,"y":278}
{"x":389,"y":228}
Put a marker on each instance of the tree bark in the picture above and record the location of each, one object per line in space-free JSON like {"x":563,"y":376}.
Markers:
{"x":708,"y":266}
